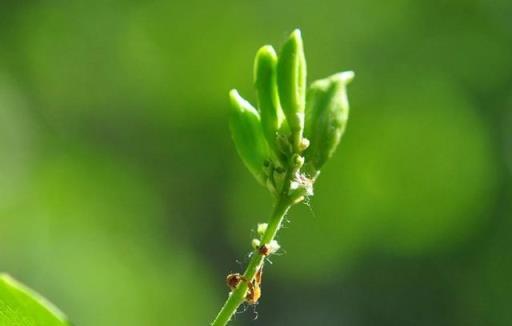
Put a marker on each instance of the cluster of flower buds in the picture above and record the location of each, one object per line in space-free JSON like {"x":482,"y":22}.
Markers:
{"x":295,"y":130}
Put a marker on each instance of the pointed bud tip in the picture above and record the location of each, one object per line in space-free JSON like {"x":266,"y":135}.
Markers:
{"x":296,"y":38}
{"x":235,"y":99}
{"x":239,"y":103}
{"x":296,"y":34}
{"x":345,"y":77}
{"x":233,"y":94}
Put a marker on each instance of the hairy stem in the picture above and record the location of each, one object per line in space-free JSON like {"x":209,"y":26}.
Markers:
{"x":237,"y":296}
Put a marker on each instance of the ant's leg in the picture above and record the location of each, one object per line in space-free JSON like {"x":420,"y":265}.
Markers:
{"x":259,"y":275}
{"x":254,"y":311}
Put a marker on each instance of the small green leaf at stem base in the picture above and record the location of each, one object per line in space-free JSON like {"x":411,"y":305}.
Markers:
{"x":21,"y":306}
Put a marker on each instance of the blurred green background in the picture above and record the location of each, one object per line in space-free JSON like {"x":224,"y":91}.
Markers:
{"x":122,"y":198}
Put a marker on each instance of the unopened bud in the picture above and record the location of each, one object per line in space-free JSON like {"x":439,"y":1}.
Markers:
{"x":297,"y":161}
{"x":268,"y":99}
{"x":262,"y":228}
{"x":255,"y":244}
{"x":326,"y":116}
{"x":291,"y":81}
{"x":248,"y":136}
{"x":304,"y":144}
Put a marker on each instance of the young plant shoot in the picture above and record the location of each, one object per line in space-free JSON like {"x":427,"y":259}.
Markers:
{"x":284,"y":143}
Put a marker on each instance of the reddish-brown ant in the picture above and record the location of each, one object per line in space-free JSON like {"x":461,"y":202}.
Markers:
{"x":264,"y":250}
{"x":254,"y":286}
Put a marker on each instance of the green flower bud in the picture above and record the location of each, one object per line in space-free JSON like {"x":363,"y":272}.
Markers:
{"x":255,"y":243}
{"x":291,"y":82}
{"x":268,"y":99}
{"x":248,"y":136}
{"x":326,"y":116}
{"x":262,"y":228}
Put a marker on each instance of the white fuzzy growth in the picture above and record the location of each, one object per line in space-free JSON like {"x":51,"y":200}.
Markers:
{"x":273,"y":246}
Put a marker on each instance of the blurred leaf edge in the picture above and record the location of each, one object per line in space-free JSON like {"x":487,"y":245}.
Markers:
{"x":16,"y":298}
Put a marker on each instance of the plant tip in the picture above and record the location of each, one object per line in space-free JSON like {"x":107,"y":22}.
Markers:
{"x":267,"y":50}
{"x":296,"y":33}
{"x":233,"y":94}
{"x":345,"y":76}
{"x":255,"y":243}
{"x":262,"y":228}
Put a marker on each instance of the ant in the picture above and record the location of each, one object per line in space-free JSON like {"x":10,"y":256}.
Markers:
{"x":264,"y":250}
{"x":254,"y":293}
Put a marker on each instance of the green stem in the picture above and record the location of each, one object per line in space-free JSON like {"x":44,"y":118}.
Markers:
{"x":237,"y":296}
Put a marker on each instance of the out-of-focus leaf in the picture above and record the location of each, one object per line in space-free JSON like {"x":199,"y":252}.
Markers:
{"x":21,"y":306}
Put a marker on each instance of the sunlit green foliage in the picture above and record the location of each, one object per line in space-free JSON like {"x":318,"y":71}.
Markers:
{"x":20,"y":306}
